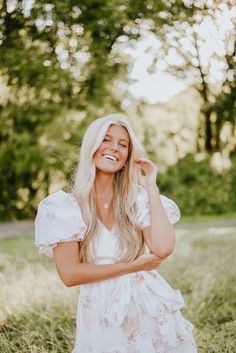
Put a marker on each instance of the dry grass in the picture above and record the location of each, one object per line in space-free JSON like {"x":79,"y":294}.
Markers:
{"x":37,"y":312}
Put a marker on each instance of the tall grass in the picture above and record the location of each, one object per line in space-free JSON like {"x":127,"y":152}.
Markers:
{"x":37,"y":313}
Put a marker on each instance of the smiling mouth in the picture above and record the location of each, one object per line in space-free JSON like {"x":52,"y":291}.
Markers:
{"x":110,"y":157}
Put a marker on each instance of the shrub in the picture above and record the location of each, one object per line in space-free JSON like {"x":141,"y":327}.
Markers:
{"x":197,"y":188}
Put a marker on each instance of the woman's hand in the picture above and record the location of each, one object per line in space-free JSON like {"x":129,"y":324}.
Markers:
{"x":148,"y":172}
{"x":146,"y":262}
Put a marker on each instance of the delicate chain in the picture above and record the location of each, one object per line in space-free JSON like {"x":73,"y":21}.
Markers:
{"x":100,"y":213}
{"x":106,"y":203}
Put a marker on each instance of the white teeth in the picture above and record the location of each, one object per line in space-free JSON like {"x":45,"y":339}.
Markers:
{"x":112,"y":158}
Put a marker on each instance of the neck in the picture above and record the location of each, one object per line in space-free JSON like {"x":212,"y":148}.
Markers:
{"x":104,"y":189}
{"x":104,"y":183}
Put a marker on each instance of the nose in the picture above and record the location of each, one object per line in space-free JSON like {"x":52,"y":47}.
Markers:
{"x":114,"y":146}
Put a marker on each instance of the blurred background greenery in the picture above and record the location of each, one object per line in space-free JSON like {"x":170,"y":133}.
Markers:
{"x":169,"y":65}
{"x":65,"y":63}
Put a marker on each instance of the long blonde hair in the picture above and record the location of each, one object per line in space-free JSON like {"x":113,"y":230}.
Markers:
{"x":125,"y":190}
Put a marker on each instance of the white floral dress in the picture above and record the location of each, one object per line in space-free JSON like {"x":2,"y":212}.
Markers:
{"x":134,"y":313}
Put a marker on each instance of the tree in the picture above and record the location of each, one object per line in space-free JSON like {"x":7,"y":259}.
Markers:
{"x":188,"y":52}
{"x":55,"y":58}
{"x":60,"y":57}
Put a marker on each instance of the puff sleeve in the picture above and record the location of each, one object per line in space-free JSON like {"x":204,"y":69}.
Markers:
{"x":58,"y":219}
{"x":143,"y":214}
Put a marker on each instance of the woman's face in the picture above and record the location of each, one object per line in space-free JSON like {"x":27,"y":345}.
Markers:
{"x":112,"y":154}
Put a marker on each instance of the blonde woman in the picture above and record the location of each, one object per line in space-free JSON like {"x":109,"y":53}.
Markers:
{"x":108,"y":235}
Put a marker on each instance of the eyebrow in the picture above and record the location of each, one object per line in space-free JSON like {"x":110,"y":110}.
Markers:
{"x":119,"y":139}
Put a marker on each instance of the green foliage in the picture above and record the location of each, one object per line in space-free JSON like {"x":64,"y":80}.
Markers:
{"x":43,"y":88}
{"x":33,"y":158}
{"x":39,"y":144}
{"x":180,"y":33}
{"x":198,"y":189}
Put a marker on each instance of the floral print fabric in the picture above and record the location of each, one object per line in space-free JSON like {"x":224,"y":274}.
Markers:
{"x":58,"y":219}
{"x":135,"y":313}
{"x":143,"y":209}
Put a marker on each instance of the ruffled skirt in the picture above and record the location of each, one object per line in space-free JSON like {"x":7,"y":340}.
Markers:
{"x":135,"y":313}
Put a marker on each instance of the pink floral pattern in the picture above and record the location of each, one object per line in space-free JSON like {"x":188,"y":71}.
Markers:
{"x":58,"y":219}
{"x":142,"y":314}
{"x":143,"y":208}
{"x":134,"y":313}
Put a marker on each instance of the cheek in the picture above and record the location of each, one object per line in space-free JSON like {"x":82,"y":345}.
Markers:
{"x":99,"y":151}
{"x":125,"y":155}
{"x":96,"y":157}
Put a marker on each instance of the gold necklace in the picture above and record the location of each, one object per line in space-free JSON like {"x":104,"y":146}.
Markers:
{"x":106,"y":204}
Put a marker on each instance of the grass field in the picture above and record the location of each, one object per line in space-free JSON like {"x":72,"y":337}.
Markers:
{"x":37,"y":313}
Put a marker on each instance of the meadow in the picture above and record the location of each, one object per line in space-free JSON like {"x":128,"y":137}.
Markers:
{"x":37,"y":312}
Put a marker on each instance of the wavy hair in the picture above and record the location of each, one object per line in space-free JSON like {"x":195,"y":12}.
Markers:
{"x":125,"y":191}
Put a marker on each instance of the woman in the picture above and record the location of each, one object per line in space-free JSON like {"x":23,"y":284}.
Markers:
{"x":108,"y":235}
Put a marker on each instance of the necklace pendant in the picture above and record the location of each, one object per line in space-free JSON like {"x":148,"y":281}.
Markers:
{"x":105,"y":204}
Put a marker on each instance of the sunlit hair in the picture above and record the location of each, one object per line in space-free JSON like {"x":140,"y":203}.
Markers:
{"x":125,"y":190}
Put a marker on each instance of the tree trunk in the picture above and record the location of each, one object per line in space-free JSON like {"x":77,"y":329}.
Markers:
{"x":208,"y":131}
{"x":217,"y":143}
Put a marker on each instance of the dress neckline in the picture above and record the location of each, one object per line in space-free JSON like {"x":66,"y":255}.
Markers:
{"x":105,"y":227}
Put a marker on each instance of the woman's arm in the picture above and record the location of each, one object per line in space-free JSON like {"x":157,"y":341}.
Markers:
{"x":72,"y":272}
{"x":160,"y":236}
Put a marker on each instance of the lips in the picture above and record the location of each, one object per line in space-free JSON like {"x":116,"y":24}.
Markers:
{"x":110,"y":157}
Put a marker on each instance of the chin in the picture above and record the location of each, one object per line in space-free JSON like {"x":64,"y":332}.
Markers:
{"x":109,"y":170}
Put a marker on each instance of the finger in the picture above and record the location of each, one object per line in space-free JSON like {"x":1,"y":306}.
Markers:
{"x":154,"y":257}
{"x":142,"y":161}
{"x":147,"y":165}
